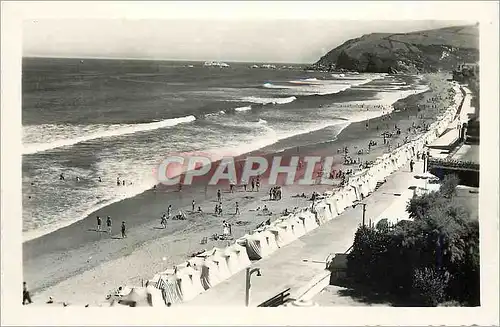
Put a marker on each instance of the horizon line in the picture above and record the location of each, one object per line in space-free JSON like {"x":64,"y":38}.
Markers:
{"x":159,"y":59}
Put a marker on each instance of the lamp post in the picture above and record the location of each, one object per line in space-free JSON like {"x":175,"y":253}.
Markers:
{"x":364,"y":210}
{"x":249,"y":273}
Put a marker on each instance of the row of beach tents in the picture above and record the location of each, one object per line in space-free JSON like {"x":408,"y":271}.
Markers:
{"x":206,"y":270}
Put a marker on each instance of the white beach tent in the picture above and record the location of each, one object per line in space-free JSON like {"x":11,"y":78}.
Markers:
{"x":189,"y":283}
{"x":308,"y":220}
{"x":332,"y":201}
{"x":155,"y":297}
{"x":270,"y":240}
{"x":241,"y":258}
{"x":323,"y":212}
{"x":211,"y":274}
{"x":297,"y":227}
{"x":282,"y":233}
{"x":138,"y":297}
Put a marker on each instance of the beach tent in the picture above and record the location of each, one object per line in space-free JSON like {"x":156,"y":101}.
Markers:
{"x":189,"y":283}
{"x":155,"y":296}
{"x":308,"y":220}
{"x":138,"y":297}
{"x":169,"y":288}
{"x":332,"y":201}
{"x":241,"y":257}
{"x":323,"y":213}
{"x":270,"y":240}
{"x":282,"y":233}
{"x":260,"y":244}
{"x":211,"y":273}
{"x":297,"y":227}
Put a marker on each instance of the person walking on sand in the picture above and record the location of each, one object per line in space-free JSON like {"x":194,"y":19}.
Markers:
{"x":169,"y":211}
{"x":218,"y":196}
{"x":411,"y":165}
{"x":98,"y":224}
{"x":193,"y":205}
{"x":163,"y":221}
{"x":108,"y":224}
{"x":253,"y":184}
{"x":124,"y":230}
{"x":26,"y":294}
{"x":257,"y":184}
{"x":237,"y":209}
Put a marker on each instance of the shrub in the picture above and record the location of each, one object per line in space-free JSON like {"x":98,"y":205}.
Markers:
{"x":434,"y":257}
{"x":429,"y":286}
{"x":449,"y":185}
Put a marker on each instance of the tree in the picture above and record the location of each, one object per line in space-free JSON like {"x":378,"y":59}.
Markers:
{"x":433,"y":257}
{"x":449,"y":185}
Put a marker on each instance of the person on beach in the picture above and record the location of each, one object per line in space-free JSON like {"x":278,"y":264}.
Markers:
{"x":271,"y":191}
{"x":237,"y":209}
{"x":253,"y":184}
{"x":98,"y":224}
{"x":245,"y":185}
{"x":77,"y":178}
{"x":169,"y":211}
{"x":199,"y":210}
{"x":26,"y":294}
{"x":61,"y":177}
{"x":193,"y":205}
{"x":218,"y":196}
{"x":257,"y":184}
{"x":100,"y":180}
{"x":216,"y":209}
{"x":124,"y":230}
{"x":118,"y":182}
{"x":231,"y":187}
{"x":108,"y":224}
{"x":163,"y":221}
{"x":123,"y":182}
{"x":225,"y":228}
{"x":411,"y":165}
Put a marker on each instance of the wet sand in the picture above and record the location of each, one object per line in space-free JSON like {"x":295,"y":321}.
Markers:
{"x":78,"y":265}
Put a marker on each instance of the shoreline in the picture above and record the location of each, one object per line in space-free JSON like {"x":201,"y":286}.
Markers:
{"x":83,"y":251}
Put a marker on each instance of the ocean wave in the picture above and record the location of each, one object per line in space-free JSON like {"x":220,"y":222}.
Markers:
{"x":94,"y":132}
{"x":269,"y":100}
{"x":272,"y":86}
{"x":218,"y":113}
{"x":246,"y":108}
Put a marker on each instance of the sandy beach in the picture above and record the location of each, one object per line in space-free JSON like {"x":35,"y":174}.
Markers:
{"x":75,"y":258}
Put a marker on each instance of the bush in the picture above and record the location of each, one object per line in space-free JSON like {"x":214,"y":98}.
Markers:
{"x":432,"y":258}
{"x":429,"y":286}
{"x":382,"y":225}
{"x":449,"y":185}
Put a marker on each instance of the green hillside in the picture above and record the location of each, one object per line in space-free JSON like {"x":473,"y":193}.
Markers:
{"x":421,"y":51}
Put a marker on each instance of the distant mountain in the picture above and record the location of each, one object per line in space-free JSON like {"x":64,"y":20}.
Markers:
{"x":422,"y":51}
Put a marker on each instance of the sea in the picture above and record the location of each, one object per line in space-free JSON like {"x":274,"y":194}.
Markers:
{"x":103,"y":118}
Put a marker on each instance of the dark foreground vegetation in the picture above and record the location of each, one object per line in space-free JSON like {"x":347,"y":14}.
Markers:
{"x":429,"y":261}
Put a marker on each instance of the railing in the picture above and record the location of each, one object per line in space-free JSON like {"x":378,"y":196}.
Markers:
{"x":277,"y":300}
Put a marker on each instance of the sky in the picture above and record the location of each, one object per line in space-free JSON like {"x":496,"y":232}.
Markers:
{"x":251,"y":40}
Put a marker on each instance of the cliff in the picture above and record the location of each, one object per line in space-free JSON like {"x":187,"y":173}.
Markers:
{"x":423,"y":51}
